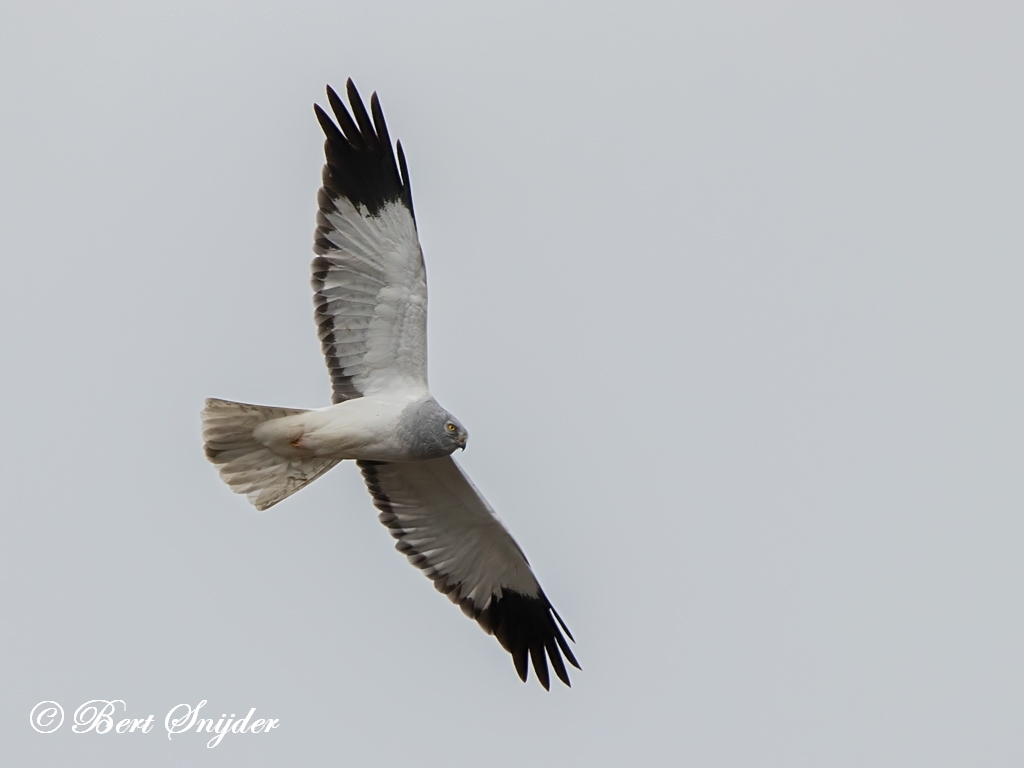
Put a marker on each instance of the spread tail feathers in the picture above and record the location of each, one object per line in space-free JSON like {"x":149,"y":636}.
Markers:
{"x":246,"y":464}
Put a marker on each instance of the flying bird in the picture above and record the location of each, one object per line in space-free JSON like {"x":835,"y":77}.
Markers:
{"x":370,"y":300}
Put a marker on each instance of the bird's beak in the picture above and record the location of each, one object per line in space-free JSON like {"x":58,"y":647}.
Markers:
{"x":462,"y":442}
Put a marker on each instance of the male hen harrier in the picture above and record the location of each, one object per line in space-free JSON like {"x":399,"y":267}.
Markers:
{"x":370,"y":294}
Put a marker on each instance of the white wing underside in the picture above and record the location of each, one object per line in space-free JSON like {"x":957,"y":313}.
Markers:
{"x":449,"y":530}
{"x":371,"y":298}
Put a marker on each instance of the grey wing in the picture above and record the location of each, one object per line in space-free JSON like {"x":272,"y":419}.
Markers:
{"x":369,"y":282}
{"x":448,"y":529}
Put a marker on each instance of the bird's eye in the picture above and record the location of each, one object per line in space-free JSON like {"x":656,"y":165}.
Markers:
{"x":451,"y":427}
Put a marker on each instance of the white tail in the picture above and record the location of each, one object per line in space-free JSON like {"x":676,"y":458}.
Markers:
{"x":246,"y":464}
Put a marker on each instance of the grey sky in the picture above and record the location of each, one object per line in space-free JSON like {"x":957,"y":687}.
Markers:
{"x":728,"y":295}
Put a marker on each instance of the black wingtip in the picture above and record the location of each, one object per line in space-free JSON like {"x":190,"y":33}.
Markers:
{"x":540,"y":662}
{"x":361,"y":163}
{"x":379,"y":125}
{"x":526,"y":628}
{"x":345,"y":122}
{"x":332,"y":95}
{"x":519,"y":659}
{"x":326,"y":124}
{"x":556,"y":661}
{"x":562,"y":624}
{"x":362,"y":119}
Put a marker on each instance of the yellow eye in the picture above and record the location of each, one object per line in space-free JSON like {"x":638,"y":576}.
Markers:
{"x":451,"y":427}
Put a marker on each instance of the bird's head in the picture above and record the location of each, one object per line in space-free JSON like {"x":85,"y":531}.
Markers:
{"x":429,"y":431}
{"x":456,"y":432}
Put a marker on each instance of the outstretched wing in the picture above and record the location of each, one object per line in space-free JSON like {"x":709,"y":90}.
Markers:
{"x":369,"y":284}
{"x":445,"y":527}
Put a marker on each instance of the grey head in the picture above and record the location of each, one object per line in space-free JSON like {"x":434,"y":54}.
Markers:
{"x":428,"y":431}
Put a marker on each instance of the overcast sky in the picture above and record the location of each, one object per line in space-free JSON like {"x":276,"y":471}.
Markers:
{"x":727,"y":294}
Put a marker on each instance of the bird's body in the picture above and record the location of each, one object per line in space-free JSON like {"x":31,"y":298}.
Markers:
{"x":370,"y":299}
{"x":375,"y":428}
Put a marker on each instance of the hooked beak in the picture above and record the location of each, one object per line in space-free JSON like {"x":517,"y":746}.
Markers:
{"x":462,"y":442}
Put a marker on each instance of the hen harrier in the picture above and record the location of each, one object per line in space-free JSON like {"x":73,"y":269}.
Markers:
{"x":370,"y":298}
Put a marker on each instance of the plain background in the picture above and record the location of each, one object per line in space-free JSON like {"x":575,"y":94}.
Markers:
{"x":727,"y":294}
